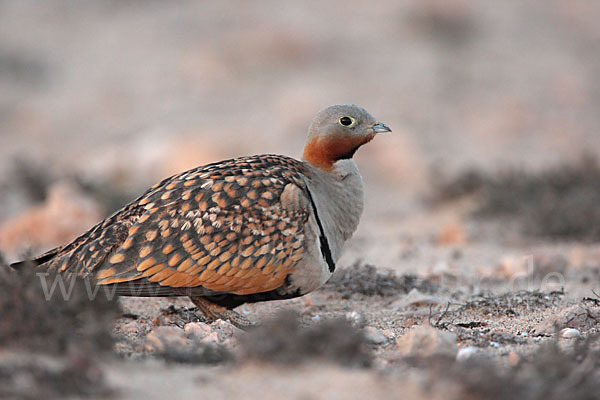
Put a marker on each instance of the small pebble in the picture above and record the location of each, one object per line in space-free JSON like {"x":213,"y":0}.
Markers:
{"x":494,"y":345}
{"x":162,"y":336}
{"x":570,"y":333}
{"x":388,"y":333}
{"x":426,"y":341}
{"x":513,"y":358}
{"x":212,"y":338}
{"x":225,"y":329}
{"x":465,"y":353}
{"x":374,"y":335}
{"x":197,"y":330}
{"x":354,"y":317}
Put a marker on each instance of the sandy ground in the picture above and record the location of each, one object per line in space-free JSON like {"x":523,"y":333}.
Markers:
{"x":99,"y":100}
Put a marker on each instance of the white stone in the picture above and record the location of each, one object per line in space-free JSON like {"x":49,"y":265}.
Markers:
{"x":374,"y":335}
{"x":425,"y":341}
{"x":354,"y":317}
{"x":466,"y":353}
{"x":570,"y":333}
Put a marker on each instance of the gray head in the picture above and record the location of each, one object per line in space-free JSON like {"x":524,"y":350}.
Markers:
{"x":337,"y":131}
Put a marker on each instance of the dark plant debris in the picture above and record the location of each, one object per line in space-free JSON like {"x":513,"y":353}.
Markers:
{"x":550,"y":373}
{"x":35,"y":179}
{"x":29,"y":376}
{"x":368,"y":280}
{"x":471,"y":324}
{"x":181,"y":316}
{"x":559,"y":202}
{"x":111,"y":196}
{"x":478,"y":333}
{"x":71,"y":330}
{"x":284,"y":340}
{"x":510,"y":303}
{"x":34,"y":317}
{"x":32,"y":178}
{"x":197,"y":352}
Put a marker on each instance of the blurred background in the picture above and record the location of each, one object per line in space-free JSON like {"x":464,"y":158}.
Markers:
{"x":101,"y":99}
{"x":488,"y":185}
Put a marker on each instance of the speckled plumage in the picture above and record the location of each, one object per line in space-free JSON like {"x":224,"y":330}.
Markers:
{"x":239,"y":230}
{"x":221,"y":227}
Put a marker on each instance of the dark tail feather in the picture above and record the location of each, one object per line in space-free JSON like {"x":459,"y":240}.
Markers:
{"x":38,"y":260}
{"x":20,"y":264}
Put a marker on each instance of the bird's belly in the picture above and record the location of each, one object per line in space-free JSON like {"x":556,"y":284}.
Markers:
{"x":310,"y":274}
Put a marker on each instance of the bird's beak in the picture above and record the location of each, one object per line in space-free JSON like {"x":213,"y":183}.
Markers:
{"x":379,"y":127}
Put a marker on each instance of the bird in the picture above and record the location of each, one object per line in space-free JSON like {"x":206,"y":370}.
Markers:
{"x":243,"y":230}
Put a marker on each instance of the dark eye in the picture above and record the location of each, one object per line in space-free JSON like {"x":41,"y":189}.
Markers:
{"x":346,"y":121}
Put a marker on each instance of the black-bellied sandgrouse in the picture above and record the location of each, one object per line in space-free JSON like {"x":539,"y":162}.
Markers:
{"x":249,"y":229}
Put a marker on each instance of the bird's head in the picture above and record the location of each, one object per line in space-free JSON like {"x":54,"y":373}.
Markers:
{"x":337,"y":132}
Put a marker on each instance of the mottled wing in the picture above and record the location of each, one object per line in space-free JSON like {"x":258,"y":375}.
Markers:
{"x":88,"y":251}
{"x":234,"y":227}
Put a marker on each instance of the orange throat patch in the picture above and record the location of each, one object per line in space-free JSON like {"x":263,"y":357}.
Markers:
{"x":323,"y":152}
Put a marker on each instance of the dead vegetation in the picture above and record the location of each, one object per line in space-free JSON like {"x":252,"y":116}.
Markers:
{"x":368,"y":280}
{"x":283,"y":340}
{"x":36,"y":319}
{"x":558,"y":202}
{"x":34,"y":181}
{"x":550,"y":373}
{"x":511,"y":303}
{"x":196,"y":352}
{"x":30,"y":376}
{"x":468,"y":320}
{"x":69,"y":331}
{"x":31,"y":178}
{"x":179,"y":316}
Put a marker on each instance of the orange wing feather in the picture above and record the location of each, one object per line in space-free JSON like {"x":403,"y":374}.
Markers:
{"x":235,"y":227}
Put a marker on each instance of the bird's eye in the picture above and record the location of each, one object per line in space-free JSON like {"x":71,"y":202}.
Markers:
{"x":346,"y":121}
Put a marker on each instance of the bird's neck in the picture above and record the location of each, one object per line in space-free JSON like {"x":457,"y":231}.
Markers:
{"x":324,"y":151}
{"x":339,"y":199}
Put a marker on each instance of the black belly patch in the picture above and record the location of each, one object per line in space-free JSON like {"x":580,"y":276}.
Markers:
{"x":230,"y":300}
{"x":234,"y":300}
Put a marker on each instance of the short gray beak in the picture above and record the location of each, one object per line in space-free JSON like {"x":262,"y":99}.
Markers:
{"x":379,"y":127}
